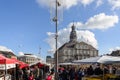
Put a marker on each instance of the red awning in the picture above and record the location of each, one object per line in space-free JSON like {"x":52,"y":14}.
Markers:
{"x":21,"y":64}
{"x":40,"y":65}
{"x":4,"y":60}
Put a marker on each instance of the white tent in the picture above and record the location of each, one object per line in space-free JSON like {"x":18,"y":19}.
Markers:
{"x":66,"y":63}
{"x":99,"y":59}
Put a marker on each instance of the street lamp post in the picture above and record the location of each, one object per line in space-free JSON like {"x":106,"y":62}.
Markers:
{"x":55,"y":19}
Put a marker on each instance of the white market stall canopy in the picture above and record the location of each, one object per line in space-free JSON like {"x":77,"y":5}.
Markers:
{"x":99,"y":59}
{"x":66,"y":63}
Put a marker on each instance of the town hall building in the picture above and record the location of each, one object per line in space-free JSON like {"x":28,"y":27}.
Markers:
{"x":74,"y":50}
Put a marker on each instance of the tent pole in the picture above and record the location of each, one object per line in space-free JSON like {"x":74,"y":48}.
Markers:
{"x":103,"y":71}
{"x":5,"y":71}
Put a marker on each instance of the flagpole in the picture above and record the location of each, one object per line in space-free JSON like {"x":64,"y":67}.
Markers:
{"x":5,"y":71}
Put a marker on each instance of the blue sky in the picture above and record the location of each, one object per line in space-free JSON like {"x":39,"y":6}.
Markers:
{"x":25,"y":25}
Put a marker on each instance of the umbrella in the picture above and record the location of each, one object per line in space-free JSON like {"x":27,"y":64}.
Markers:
{"x":99,"y":59}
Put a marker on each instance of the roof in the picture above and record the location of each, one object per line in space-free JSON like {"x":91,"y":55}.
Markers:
{"x":87,"y":44}
{"x":72,"y":44}
{"x":31,"y":55}
{"x":6,"y":53}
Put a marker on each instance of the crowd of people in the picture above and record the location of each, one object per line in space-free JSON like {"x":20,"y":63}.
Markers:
{"x":64,"y":72}
{"x":29,"y":73}
{"x":72,"y":73}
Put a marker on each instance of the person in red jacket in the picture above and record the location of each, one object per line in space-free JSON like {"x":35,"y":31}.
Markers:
{"x":31,"y":77}
{"x":50,"y":76}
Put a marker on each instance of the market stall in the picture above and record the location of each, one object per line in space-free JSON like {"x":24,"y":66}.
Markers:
{"x":99,"y":59}
{"x":67,"y":63}
{"x":104,"y":60}
{"x":20,"y":63}
{"x":5,"y":65}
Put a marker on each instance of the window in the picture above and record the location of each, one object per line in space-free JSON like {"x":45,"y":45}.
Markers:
{"x":80,"y":51}
{"x":84,"y":52}
{"x":80,"y":46}
{"x":77,"y":51}
{"x":77,"y":46}
{"x":92,"y":53}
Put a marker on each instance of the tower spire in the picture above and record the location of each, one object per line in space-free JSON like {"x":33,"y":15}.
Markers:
{"x":73,"y":36}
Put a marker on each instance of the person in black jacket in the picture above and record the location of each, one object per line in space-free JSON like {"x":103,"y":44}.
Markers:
{"x":98,"y":71}
{"x":90,"y":70}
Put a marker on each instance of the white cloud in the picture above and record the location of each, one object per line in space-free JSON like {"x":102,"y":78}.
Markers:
{"x":100,"y":21}
{"x":99,"y":2}
{"x":44,"y":2}
{"x":88,"y":37}
{"x":51,"y":3}
{"x":69,"y":3}
{"x":115,"y":4}
{"x":86,"y":2}
{"x":3,"y":48}
{"x":63,"y":37}
{"x":66,"y":4}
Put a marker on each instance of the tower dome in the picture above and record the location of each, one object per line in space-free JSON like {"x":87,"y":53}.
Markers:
{"x":73,"y":36}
